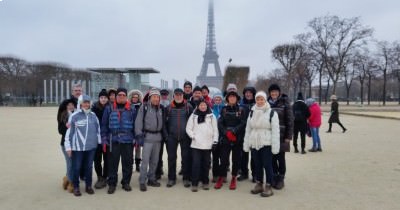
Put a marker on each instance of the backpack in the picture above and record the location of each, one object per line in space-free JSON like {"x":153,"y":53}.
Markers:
{"x":187,"y":111}
{"x":271,"y":114}
{"x":145,"y":107}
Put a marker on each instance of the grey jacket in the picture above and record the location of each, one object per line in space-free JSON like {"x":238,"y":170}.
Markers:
{"x":84,"y":132}
{"x":150,"y":126}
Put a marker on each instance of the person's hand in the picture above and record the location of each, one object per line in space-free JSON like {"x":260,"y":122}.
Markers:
{"x":68,"y":125}
{"x":69,"y":153}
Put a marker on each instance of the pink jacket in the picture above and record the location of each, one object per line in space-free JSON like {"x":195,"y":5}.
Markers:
{"x":315,"y":118}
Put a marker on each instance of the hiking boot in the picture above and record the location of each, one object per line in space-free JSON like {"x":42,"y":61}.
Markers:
{"x":232,"y":186}
{"x":186,"y":183}
{"x":143,"y":187}
{"x":319,"y":149}
{"x":312,"y":150}
{"x":111,"y":189}
{"x":267,"y":191}
{"x":65,"y":183}
{"x":303,"y":151}
{"x":296,"y":150}
{"x":257,"y":189}
{"x":77,"y":192}
{"x":194,"y":188}
{"x":171,"y":183}
{"x":153,"y":183}
{"x":206,"y":186}
{"x":219,"y":183}
{"x":70,"y":187}
{"x":279,"y":184}
{"x":243,"y":177}
{"x":89,"y":190}
{"x":101,"y":183}
{"x":127,"y":187}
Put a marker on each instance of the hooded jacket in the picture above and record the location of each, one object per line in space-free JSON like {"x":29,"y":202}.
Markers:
{"x":315,"y":118}
{"x":260,"y":131}
{"x":84,"y":133}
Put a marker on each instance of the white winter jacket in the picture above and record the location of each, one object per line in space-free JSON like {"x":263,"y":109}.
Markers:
{"x":260,"y":132}
{"x":203,"y":135}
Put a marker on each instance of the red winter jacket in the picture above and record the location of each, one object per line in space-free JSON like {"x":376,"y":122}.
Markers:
{"x":315,"y":118}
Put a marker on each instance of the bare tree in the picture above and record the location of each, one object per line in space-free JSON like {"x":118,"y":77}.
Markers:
{"x":348,"y":74}
{"x":334,"y":39}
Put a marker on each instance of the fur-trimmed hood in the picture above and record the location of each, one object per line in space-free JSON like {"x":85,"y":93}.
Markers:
{"x":135,"y":91}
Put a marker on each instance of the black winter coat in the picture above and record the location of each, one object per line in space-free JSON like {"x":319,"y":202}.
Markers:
{"x":334,"y":118}
{"x":284,"y":110}
{"x":300,"y":114}
{"x":176,"y":119}
{"x":232,"y":118}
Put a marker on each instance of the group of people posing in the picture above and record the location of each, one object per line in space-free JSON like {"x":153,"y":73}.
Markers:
{"x":132,"y":129}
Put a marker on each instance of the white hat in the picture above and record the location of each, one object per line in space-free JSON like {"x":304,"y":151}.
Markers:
{"x":261,"y":94}
{"x":231,"y":87}
{"x":333,"y":97}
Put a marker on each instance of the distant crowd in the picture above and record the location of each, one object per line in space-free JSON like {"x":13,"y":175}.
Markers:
{"x":224,"y":133}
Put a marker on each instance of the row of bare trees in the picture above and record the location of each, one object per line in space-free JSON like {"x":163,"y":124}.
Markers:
{"x":335,"y":51}
{"x":20,"y":78}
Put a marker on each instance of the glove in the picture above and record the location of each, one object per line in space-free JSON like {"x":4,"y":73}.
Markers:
{"x":214,"y":146}
{"x":230,"y":136}
{"x":104,"y":148}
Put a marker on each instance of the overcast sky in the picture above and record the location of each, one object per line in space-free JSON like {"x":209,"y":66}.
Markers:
{"x":170,"y":35}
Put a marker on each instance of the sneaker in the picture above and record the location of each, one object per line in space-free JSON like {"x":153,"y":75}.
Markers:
{"x":77,"y":192}
{"x":101,"y":183}
{"x":89,"y":190}
{"x":153,"y":183}
{"x":312,"y":150}
{"x":143,"y":187}
{"x":194,"y":188}
{"x":111,"y":189}
{"x":171,"y":183}
{"x":126,"y":187}
{"x":186,"y":183}
{"x":206,"y":186}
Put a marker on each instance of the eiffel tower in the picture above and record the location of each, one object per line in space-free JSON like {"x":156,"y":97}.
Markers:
{"x":210,"y":56}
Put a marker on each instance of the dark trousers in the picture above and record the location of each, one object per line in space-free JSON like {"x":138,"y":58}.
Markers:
{"x":160,"y":164}
{"x":82,"y":160}
{"x":263,"y":161}
{"x":200,"y":166}
{"x":296,"y":131}
{"x":225,"y":153}
{"x":216,"y":161}
{"x":279,"y":165}
{"x":123,"y":151}
{"x":101,"y":171}
{"x":244,"y":165}
{"x":339,"y":123}
{"x":172,"y":146}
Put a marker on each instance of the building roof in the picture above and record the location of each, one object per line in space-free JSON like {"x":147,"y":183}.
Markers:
{"x":125,"y":70}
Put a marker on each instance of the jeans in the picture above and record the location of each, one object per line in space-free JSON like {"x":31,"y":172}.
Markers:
{"x":82,"y":160}
{"x":68,"y":162}
{"x":315,"y":138}
{"x":263,"y":161}
{"x":201,"y":166}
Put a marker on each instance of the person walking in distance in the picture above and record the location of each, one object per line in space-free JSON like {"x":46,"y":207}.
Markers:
{"x":334,"y":118}
{"x":281,"y":105}
{"x":301,"y":114}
